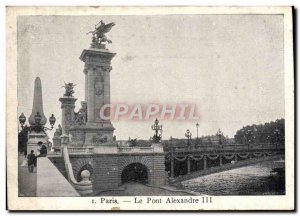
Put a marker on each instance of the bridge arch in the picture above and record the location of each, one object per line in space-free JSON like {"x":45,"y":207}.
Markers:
{"x":80,"y":164}
{"x":135,"y":168}
{"x":136,"y":172}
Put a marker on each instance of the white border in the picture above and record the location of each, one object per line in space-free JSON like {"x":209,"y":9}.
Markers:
{"x":83,"y":203}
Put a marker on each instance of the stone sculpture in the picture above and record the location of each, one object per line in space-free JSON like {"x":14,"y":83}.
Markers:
{"x":99,"y":36}
{"x":69,"y":87}
{"x":81,"y":115}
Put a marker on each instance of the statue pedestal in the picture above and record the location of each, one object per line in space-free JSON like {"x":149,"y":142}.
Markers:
{"x":91,"y":134}
{"x":67,"y":109}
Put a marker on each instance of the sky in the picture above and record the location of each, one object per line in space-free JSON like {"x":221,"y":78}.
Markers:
{"x":230,"y":66}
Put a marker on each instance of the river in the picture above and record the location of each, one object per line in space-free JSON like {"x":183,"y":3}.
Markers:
{"x":250,"y":180}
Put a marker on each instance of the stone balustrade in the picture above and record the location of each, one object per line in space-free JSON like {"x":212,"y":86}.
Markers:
{"x":80,"y":150}
{"x":129,"y":150}
{"x":85,"y":186}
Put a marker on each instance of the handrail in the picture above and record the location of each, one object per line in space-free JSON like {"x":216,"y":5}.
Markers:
{"x":83,"y":187}
{"x":68,"y":165}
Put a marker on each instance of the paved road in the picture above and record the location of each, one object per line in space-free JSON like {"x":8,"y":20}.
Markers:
{"x":27,"y":181}
{"x":137,"y":189}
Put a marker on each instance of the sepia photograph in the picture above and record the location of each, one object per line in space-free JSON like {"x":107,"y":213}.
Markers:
{"x":150,"y":108}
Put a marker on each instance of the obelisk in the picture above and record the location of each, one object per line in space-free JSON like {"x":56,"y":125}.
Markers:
{"x":37,"y":107}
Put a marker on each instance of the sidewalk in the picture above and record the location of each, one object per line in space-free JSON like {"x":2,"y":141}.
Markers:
{"x":27,"y":181}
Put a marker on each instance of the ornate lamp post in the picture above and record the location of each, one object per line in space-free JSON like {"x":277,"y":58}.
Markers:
{"x":244,"y":136}
{"x":277,"y":136}
{"x":255,"y":136}
{"x":22,"y":120}
{"x":220,"y":134}
{"x":156,"y":127}
{"x":188,"y":135}
{"x":37,"y":126}
{"x":249,"y":137}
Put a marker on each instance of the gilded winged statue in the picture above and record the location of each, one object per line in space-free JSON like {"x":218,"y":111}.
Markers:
{"x":101,"y":29}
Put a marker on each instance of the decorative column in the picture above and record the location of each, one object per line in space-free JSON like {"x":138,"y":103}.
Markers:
{"x":56,"y":138}
{"x":97,"y":80}
{"x":67,"y":112}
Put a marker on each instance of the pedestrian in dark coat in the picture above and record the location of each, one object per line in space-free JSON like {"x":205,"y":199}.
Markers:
{"x":31,"y":161}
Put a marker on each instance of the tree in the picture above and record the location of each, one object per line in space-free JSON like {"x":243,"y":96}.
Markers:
{"x":262,"y":133}
{"x":23,"y":139}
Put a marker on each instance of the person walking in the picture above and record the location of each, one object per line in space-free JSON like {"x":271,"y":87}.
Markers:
{"x":31,"y":161}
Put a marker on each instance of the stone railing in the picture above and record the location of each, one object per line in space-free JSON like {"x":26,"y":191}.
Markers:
{"x":129,"y":150}
{"x":80,"y":150}
{"x":224,"y":147}
{"x":84,"y":187}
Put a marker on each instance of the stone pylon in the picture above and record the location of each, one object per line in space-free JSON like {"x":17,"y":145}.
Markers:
{"x":67,"y":109}
{"x":33,"y":136}
{"x":97,"y":94}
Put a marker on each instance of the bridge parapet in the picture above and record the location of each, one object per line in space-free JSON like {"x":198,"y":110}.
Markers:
{"x":73,"y":150}
{"x":84,"y":187}
{"x":129,"y":150}
{"x":186,"y":162}
{"x":222,"y":148}
{"x":154,"y":148}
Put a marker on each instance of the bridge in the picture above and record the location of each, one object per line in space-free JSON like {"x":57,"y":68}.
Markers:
{"x":184,"y":163}
{"x":157,"y":164}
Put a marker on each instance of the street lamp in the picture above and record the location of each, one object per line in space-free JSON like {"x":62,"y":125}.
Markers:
{"x":22,"y":120}
{"x":156,"y":127}
{"x":219,"y":134}
{"x":188,"y":135}
{"x":249,"y":136}
{"x":277,"y":136}
{"x":52,"y":120}
{"x":37,"y":120}
{"x":197,"y":140}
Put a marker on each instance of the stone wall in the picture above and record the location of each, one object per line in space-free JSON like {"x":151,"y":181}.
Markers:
{"x":60,"y":165}
{"x":106,"y":169}
{"x":109,"y":168}
{"x":105,"y":173}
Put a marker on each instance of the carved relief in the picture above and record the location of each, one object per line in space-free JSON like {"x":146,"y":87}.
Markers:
{"x":99,"y":84}
{"x":77,"y":136}
{"x":68,"y":116}
{"x":99,"y":138}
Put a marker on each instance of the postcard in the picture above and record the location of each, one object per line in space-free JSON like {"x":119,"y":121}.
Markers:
{"x":150,"y":108}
